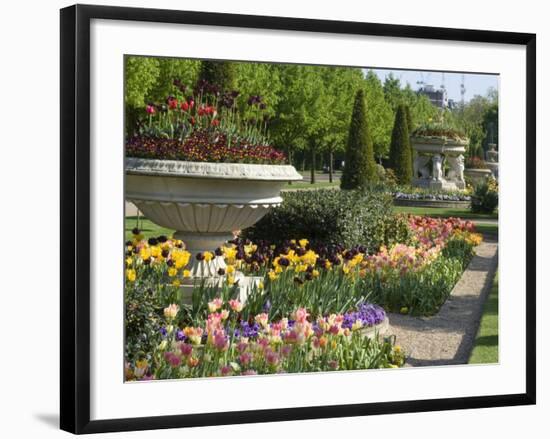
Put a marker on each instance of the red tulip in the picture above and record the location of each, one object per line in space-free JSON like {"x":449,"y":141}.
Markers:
{"x":215,"y":122}
{"x":191,"y":103}
{"x":173,"y":104}
{"x":150,"y":109}
{"x":184,"y":106}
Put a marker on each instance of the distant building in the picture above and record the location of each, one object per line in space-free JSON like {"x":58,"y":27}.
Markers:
{"x":437,"y":97}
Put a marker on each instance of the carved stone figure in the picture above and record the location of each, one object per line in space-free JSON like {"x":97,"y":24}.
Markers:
{"x":460,"y":168}
{"x":420,"y":166}
{"x":492,"y":154}
{"x":437,"y":167}
{"x":456,"y":164}
{"x":431,"y":156}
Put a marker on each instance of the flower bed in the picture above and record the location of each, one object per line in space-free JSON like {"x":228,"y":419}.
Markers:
{"x":328,"y":289}
{"x":418,"y":194}
{"x":226,"y":345}
{"x":203,"y":125}
{"x":417,"y":279}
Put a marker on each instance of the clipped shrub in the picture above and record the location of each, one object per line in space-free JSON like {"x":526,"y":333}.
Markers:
{"x":328,"y":216}
{"x":400,"y":147}
{"x":360,"y":168}
{"x":485,"y":196}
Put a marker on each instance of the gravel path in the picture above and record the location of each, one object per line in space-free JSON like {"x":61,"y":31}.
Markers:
{"x":447,"y":337}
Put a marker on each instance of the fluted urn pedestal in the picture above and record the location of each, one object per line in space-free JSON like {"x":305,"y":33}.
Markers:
{"x":205,"y":202}
{"x":438,"y":162}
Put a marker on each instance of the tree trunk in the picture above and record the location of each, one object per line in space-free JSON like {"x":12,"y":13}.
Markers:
{"x":330,"y":165}
{"x":312,"y":147}
{"x":289,"y":159}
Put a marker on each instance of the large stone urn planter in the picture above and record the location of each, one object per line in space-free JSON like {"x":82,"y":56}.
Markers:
{"x":477,"y":175}
{"x":431,"y":154}
{"x":205,"y":202}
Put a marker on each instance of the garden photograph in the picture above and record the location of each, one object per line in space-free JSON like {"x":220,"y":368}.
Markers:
{"x":289,"y":218}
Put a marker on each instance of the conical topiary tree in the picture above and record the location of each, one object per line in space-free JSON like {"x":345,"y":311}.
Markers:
{"x":360,"y":167}
{"x":219,"y":73}
{"x":409,"y":119}
{"x":410,"y":126}
{"x":400,"y":147}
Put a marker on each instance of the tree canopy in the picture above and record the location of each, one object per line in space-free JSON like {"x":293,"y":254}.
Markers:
{"x":308,"y":108}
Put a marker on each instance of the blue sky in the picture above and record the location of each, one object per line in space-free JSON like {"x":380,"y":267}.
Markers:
{"x":475,"y":84}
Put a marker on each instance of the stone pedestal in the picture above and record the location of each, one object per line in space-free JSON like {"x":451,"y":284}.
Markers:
{"x":244,"y":285}
{"x":492,"y":159}
{"x":432,"y":156}
{"x":205,"y":203}
{"x":441,"y":184}
{"x":477,"y":175}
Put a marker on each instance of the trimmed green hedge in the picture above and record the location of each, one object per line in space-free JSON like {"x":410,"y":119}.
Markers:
{"x":348,"y":218}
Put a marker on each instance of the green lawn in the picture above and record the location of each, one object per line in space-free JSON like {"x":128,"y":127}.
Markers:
{"x":486,"y":342}
{"x":444,"y":212}
{"x":147,"y":227}
{"x":487,"y":229}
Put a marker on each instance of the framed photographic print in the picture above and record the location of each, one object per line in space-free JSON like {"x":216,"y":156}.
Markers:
{"x":268,"y":218}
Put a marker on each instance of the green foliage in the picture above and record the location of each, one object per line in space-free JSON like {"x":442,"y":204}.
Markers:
{"x":408,"y":116}
{"x":309,"y":106}
{"x":332,"y":292}
{"x":149,"y":79}
{"x":379,"y":115}
{"x":400,"y":148}
{"x":397,"y":230}
{"x":490,"y":125}
{"x":479,"y":120}
{"x":143,"y":307}
{"x":293,"y":104}
{"x":258,"y":79}
{"x":419,"y":292}
{"x":328,"y":216}
{"x":360,"y":168}
{"x":392,"y":91}
{"x":219,"y":73}
{"x":485,"y":197}
{"x":141,"y":76}
{"x":458,"y":248}
{"x":445,"y":124}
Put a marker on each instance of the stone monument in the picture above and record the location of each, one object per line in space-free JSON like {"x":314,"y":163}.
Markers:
{"x":447,"y":162}
{"x":492,"y":159}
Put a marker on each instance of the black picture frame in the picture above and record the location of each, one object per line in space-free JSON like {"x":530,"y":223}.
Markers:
{"x":75,"y":217}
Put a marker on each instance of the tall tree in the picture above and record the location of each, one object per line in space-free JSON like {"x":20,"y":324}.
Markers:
{"x":490,"y":126}
{"x":296,"y":100}
{"x":400,"y":148}
{"x":340,"y":86}
{"x":392,"y":91}
{"x":360,"y":167}
{"x":379,"y":115}
{"x":141,"y":75}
